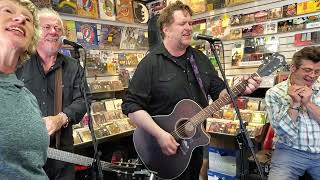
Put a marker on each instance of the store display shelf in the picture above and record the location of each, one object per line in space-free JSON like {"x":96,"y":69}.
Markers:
{"x":107,"y":91}
{"x":105,"y":139}
{"x":100,"y":21}
{"x":247,"y":8}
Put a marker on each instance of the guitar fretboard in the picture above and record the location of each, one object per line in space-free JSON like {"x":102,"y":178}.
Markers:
{"x":219,"y":103}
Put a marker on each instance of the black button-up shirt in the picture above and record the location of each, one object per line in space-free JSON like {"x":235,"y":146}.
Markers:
{"x":162,"y":80}
{"x":41,"y":85}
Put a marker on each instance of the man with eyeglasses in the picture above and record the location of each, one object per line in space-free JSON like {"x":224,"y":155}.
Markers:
{"x":293,"y":108}
{"x":39,"y":75}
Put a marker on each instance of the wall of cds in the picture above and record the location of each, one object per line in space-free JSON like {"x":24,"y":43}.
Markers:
{"x":251,"y":31}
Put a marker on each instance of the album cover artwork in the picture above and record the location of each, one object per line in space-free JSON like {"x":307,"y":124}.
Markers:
{"x":70,"y":30}
{"x":259,"y":117}
{"x":76,"y":137}
{"x":87,"y":35}
{"x":215,"y":28}
{"x":289,"y":10}
{"x":65,"y":6}
{"x":129,"y":37}
{"x":275,"y":13}
{"x":253,"y":104}
{"x":85,"y":134}
{"x":98,"y":107}
{"x":197,"y":6}
{"x":271,"y":28}
{"x":308,"y":7}
{"x":140,"y":12}
{"x":109,"y":105}
{"x":261,"y":16}
{"x":237,"y":54}
{"x":124,"y":11}
{"x":247,"y":19}
{"x":98,"y":119}
{"x":107,"y":10}
{"x":235,"y":20}
{"x":235,"y":34}
{"x":87,"y":8}
{"x":237,"y":2}
{"x":142,"y":39}
{"x":271,"y":44}
{"x":299,"y":23}
{"x":113,"y":128}
{"x":257,"y":30}
{"x":110,"y":37}
{"x":285,"y":26}
{"x":155,"y":6}
{"x":215,"y":4}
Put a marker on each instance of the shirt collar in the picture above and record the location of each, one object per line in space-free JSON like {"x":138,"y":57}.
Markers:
{"x":37,"y":60}
{"x":161,"y":49}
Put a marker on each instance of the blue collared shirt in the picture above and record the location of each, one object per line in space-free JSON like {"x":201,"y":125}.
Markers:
{"x":303,"y":133}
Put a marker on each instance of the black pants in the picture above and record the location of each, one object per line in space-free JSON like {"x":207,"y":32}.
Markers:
{"x":193,"y":170}
{"x":58,"y":170}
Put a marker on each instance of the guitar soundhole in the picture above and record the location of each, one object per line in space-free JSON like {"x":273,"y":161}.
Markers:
{"x":185,"y":129}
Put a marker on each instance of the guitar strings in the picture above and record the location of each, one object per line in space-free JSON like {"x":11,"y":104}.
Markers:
{"x":181,"y":128}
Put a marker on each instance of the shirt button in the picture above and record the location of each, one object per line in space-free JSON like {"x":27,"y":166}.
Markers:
{"x":43,"y":90}
{"x":43,"y":103}
{"x":190,"y":84}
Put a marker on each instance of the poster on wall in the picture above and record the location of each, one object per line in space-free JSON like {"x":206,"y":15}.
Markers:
{"x":107,"y":10}
{"x":237,"y":53}
{"x":129,"y":36}
{"x":87,"y":35}
{"x":87,"y":8}
{"x":124,"y":11}
{"x":110,"y":37}
{"x":70,"y":30}
{"x":140,"y":12}
{"x":65,"y":6}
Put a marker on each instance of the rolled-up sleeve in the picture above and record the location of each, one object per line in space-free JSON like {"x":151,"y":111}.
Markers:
{"x":138,"y":96}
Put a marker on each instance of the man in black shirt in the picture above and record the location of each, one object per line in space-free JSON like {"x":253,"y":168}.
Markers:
{"x":165,"y":76}
{"x":38,"y":74}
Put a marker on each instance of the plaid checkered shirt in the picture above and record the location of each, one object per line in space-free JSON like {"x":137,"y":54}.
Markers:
{"x":302,"y":134}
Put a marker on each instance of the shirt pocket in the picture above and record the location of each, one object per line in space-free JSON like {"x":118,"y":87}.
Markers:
{"x":166,"y":85}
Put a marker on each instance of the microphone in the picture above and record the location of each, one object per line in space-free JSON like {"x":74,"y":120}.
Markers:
{"x":75,"y":45}
{"x":197,"y":36}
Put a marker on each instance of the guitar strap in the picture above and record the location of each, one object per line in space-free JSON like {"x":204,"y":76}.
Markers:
{"x":58,"y":100}
{"x":197,"y":74}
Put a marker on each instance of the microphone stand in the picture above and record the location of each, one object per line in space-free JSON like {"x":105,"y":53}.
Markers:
{"x":96,"y":164}
{"x":243,"y":136}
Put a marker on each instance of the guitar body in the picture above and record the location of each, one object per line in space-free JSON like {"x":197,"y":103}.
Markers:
{"x":148,"y":149}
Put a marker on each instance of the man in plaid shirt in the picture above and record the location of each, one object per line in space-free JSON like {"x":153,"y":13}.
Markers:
{"x":293,"y":108}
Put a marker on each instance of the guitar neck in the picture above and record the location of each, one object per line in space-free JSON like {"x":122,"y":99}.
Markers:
{"x":74,"y":158}
{"x":69,"y":157}
{"x":219,"y":103}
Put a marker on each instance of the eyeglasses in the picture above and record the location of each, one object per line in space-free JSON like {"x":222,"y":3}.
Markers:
{"x":47,"y":28}
{"x":309,"y":70}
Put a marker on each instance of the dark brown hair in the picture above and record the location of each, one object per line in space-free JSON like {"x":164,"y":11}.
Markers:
{"x":311,"y":53}
{"x":166,"y":16}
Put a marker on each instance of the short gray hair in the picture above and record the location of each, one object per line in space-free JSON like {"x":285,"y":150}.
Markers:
{"x":50,"y":12}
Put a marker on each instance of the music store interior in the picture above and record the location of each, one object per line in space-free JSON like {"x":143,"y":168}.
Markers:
{"x":117,"y":34}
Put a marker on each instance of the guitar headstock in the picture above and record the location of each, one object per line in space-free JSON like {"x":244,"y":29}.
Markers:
{"x":130,"y":169}
{"x":270,"y":65}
